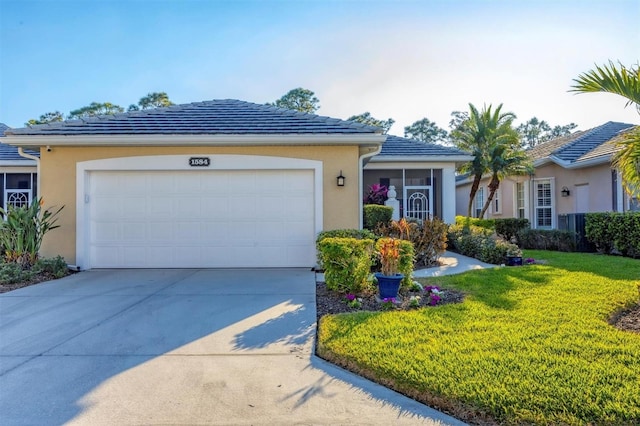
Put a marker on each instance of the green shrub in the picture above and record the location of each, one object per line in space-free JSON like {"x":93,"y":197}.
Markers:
{"x":347,"y":263}
{"x":429,"y":238}
{"x":509,"y":228}
{"x":11,"y":273}
{"x":55,"y":267}
{"x":375,"y":214}
{"x":474,"y":221}
{"x":496,"y":251}
{"x":614,"y":231}
{"x":405,"y":262}
{"x":599,"y":232}
{"x":22,"y":231}
{"x":547,"y":239}
{"x":468,"y":240}
{"x":358,"y":234}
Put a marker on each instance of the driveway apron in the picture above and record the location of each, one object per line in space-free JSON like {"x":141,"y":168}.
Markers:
{"x":180,"y":347}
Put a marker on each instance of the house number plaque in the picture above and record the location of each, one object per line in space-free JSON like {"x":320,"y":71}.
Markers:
{"x":199,"y":161}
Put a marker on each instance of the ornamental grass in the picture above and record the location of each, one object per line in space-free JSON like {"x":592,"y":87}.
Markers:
{"x":529,"y":345}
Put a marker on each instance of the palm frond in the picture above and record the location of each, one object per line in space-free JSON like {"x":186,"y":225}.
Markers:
{"x":608,"y":78}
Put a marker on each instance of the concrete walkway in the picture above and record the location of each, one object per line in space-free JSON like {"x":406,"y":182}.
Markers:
{"x":180,"y":347}
{"x":452,"y":263}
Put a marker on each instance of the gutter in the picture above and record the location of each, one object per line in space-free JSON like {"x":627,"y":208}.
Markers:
{"x":37,"y":160}
{"x":361,"y":139}
{"x":361,"y":159}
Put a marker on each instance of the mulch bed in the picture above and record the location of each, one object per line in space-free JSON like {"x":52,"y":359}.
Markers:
{"x":34,"y":280}
{"x":329,"y":302}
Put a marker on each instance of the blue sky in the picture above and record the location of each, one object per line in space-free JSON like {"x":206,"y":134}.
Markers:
{"x":401,"y":59}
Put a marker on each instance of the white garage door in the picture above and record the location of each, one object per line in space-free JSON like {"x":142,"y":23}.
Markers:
{"x":192,"y":219}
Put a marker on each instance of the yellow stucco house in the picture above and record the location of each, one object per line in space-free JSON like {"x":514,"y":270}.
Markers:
{"x":222,"y":183}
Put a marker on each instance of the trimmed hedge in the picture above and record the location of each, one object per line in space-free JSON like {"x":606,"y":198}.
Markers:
{"x":358,"y":234}
{"x":346,"y":262}
{"x":375,"y":214}
{"x":508,"y":228}
{"x":614,"y":232}
{"x":474,"y":221}
{"x":547,"y":239}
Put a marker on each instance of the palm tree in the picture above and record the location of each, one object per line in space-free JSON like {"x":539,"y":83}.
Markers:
{"x":480,"y":135}
{"x":626,"y":83}
{"x":506,"y":158}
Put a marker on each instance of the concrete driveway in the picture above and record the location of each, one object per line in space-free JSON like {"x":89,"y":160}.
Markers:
{"x":179,"y":347}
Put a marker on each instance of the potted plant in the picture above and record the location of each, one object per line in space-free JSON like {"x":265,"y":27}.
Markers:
{"x":388,"y":278}
{"x":514,"y":255}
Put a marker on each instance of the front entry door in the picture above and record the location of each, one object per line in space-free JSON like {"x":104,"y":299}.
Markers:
{"x":418,"y":204}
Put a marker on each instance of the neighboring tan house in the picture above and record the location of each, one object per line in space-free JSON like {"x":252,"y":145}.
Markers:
{"x":572,"y":174}
{"x":221,"y":183}
{"x":18,"y":175}
{"x":423,"y":175}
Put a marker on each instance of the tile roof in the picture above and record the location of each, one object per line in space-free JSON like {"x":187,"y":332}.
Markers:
{"x":403,"y":147}
{"x":10,"y":153}
{"x":215,"y":117}
{"x":580,"y":146}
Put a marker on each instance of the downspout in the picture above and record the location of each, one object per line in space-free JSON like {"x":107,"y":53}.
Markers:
{"x":37,"y":160}
{"x":376,"y":151}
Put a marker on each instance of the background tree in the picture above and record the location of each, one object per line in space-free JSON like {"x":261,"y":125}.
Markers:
{"x":624,"y":82}
{"x":152,"y":100}
{"x":299,"y":99}
{"x":48,"y":117}
{"x":534,"y":132}
{"x":95,"y":108}
{"x":481,"y":135}
{"x":369,"y":120}
{"x":426,"y":131}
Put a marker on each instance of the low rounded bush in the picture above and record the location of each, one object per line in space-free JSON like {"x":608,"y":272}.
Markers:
{"x":375,"y":214}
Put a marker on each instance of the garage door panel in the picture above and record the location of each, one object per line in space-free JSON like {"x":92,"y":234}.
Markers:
{"x":202,"y":219}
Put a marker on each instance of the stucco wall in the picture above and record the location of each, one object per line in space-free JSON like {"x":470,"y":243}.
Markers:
{"x":598,"y":179}
{"x":58,"y":182}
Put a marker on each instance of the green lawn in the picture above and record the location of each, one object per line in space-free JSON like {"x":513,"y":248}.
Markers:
{"x":530,"y":344}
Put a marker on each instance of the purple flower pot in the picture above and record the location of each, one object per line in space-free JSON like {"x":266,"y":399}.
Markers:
{"x":388,"y":286}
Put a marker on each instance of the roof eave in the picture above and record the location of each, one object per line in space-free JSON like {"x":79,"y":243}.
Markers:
{"x":195,"y":140}
{"x":421,"y":158}
{"x":17,"y":163}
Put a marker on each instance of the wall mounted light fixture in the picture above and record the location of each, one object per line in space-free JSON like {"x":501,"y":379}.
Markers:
{"x":340,"y":179}
{"x":565,"y":191}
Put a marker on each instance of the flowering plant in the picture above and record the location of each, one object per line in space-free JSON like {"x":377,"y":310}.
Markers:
{"x":388,"y":303}
{"x":514,"y":251}
{"x":434,"y":293}
{"x":377,"y":194}
{"x":389,"y":252}
{"x":353,"y":301}
{"x":530,"y":261}
{"x":414,"y":301}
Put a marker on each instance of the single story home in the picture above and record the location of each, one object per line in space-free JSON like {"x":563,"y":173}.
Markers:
{"x":573,"y":174}
{"x":18,"y":175}
{"x":222,"y":183}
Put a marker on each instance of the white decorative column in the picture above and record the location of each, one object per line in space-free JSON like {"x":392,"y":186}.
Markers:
{"x":449,"y":194}
{"x":392,"y":202}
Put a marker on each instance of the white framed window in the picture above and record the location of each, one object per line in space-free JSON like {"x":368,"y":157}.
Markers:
{"x":497,"y":202}
{"x":520,"y":200}
{"x":479,"y":201}
{"x":544,"y":206}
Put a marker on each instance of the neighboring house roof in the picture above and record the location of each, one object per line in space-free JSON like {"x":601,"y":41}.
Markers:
{"x":9,"y":154}
{"x":396,"y":148}
{"x":215,"y":117}
{"x":580,"y":149}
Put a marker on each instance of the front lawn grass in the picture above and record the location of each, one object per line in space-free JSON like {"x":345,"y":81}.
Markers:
{"x":529,"y":344}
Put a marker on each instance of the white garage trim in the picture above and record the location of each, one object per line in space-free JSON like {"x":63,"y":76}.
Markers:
{"x":181,"y":162}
